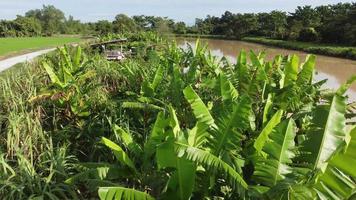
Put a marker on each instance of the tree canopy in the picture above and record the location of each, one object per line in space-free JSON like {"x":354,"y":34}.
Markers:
{"x":327,"y":24}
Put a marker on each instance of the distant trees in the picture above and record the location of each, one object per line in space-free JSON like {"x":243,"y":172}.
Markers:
{"x":244,"y":24}
{"x":103,"y":27}
{"x":45,"y":21}
{"x":50,"y":17}
{"x":72,"y":26}
{"x":123,"y":24}
{"x":331,"y":24}
{"x":21,"y":26}
{"x":338,"y":23}
{"x":180,"y":28}
{"x":273,"y":24}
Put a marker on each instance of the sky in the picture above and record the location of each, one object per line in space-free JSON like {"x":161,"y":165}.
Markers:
{"x":179,"y":10}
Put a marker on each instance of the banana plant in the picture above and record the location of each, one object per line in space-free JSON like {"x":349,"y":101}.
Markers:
{"x":68,"y":81}
{"x":252,"y":130}
{"x":320,"y":168}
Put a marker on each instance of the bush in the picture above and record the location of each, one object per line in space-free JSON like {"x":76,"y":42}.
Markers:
{"x":308,"y":35}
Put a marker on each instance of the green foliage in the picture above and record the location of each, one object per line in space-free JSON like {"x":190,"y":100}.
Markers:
{"x":118,"y":152}
{"x":326,"y":134}
{"x":200,"y":110}
{"x":279,"y":150}
{"x":267,"y":130}
{"x":113,"y":193}
{"x":336,"y":183}
{"x":66,"y":82}
{"x":172,"y":123}
{"x":333,"y":24}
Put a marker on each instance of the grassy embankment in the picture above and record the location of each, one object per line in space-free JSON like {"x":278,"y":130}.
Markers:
{"x":15,"y":46}
{"x":316,"y":48}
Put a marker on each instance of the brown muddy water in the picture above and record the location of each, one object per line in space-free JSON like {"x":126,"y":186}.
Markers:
{"x":336,"y":70}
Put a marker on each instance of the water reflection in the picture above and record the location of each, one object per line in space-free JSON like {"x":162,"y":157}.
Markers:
{"x":336,"y":70}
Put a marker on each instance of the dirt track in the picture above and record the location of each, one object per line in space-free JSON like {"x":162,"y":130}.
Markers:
{"x":9,"y":62}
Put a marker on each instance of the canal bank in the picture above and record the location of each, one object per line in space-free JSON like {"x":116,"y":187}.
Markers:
{"x":347,"y":52}
{"x":336,"y":70}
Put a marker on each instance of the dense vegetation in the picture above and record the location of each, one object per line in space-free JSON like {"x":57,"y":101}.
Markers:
{"x":50,"y":20}
{"x":41,"y":22}
{"x":327,"y":24}
{"x":172,"y":123}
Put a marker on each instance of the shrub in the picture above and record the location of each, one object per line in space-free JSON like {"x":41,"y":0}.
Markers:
{"x":308,"y":35}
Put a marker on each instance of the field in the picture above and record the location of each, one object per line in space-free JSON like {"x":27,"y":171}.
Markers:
{"x":172,"y":123}
{"x":10,"y":46}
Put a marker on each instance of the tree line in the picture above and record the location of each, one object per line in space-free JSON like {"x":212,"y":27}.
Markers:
{"x":41,"y":22}
{"x":49,"y":20}
{"x":327,"y":23}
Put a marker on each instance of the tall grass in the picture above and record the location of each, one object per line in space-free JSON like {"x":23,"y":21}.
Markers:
{"x":30,"y":164}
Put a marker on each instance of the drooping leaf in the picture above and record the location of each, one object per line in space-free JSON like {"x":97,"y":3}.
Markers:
{"x":200,"y":110}
{"x":255,"y":60}
{"x":228,"y":91}
{"x":241,"y":60}
{"x":326,"y":134}
{"x":118,"y":152}
{"x":77,"y":58}
{"x":158,"y":78}
{"x":121,"y":193}
{"x":197,"y":135}
{"x":127,"y":140}
{"x":212,"y":162}
{"x":230,"y":127}
{"x":263,"y":137}
{"x":338,"y":180}
{"x":66,"y":58}
{"x":54,"y":78}
{"x":344,"y":87}
{"x":288,"y":190}
{"x":142,"y":106}
{"x":157,"y":135}
{"x":181,"y":183}
{"x":279,"y":150}
{"x":291,"y":70}
{"x":306,"y":74}
{"x":267,"y":108}
{"x":99,"y":172}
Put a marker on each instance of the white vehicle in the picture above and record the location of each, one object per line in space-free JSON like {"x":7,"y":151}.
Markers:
{"x":114,"y":55}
